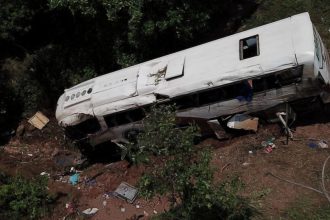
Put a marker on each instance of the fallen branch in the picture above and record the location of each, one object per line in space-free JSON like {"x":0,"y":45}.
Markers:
{"x":323,"y":184}
{"x":323,"y":192}
{"x":298,"y":184}
{"x":224,"y":167}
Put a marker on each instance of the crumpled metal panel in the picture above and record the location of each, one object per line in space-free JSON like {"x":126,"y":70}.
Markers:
{"x":124,"y":104}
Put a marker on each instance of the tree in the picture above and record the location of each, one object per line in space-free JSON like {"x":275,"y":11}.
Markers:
{"x":144,"y":29}
{"x":70,"y":41}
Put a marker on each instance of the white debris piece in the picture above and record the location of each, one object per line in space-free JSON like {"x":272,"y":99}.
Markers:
{"x":44,"y":174}
{"x":323,"y":144}
{"x":245,"y":122}
{"x":90,"y":211}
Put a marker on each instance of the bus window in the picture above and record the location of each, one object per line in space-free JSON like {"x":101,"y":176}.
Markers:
{"x":318,"y":49}
{"x":249,"y":47}
{"x":122,"y":118}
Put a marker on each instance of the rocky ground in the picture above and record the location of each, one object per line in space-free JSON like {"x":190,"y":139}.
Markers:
{"x":301,"y":161}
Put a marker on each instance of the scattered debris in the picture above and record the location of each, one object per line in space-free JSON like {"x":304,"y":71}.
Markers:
{"x":268,"y":145}
{"x":137,"y":206}
{"x":318,"y":144}
{"x":104,"y":203}
{"x":312,"y":145}
{"x":70,"y":207}
{"x":44,"y":174}
{"x":246,"y":164}
{"x":323,"y":144}
{"x":122,"y":209}
{"x":90,"y":182}
{"x":38,"y":120}
{"x":146,"y":214}
{"x":107,"y":195}
{"x":90,"y":211}
{"x":72,"y":170}
{"x":30,"y":155}
{"x":126,"y":192}
{"x":245,"y":122}
{"x":74,"y":179}
{"x":155,"y":212}
{"x":269,"y":142}
{"x":268,"y":149}
{"x":64,"y":158}
{"x":218,"y":130}
{"x":286,"y":126}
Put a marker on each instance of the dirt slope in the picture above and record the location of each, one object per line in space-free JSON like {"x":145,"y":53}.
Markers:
{"x":47,"y":151}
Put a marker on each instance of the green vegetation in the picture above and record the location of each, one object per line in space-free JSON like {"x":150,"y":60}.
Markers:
{"x":49,"y":45}
{"x":182,"y":172}
{"x":23,"y":199}
{"x":273,"y":10}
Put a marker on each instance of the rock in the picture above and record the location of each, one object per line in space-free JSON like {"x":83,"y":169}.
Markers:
{"x":20,"y":130}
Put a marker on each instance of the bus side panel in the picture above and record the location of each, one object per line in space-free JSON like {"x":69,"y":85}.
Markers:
{"x":321,"y":59}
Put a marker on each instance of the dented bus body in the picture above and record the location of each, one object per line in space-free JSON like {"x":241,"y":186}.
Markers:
{"x":282,"y":62}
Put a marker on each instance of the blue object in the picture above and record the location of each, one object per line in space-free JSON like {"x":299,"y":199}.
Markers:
{"x":74,"y":179}
{"x":312,"y":145}
{"x":245,"y":93}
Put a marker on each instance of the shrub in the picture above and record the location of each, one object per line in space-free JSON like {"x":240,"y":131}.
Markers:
{"x":183,"y":173}
{"x":23,"y":199}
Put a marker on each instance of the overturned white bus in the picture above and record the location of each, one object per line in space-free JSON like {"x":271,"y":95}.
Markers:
{"x":247,"y":72}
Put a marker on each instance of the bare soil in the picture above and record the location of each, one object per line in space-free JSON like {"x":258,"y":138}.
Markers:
{"x":244,"y":157}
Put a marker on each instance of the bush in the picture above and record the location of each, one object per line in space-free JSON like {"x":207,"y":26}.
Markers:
{"x":23,"y":199}
{"x":183,"y":173}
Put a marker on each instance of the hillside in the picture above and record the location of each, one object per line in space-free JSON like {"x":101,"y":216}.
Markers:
{"x":47,"y":46}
